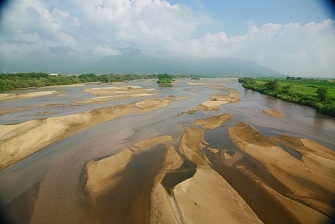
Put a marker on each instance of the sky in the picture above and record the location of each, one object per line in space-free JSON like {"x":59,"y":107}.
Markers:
{"x":292,"y":37}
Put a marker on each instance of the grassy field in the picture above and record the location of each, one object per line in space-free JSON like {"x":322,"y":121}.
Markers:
{"x":303,"y":87}
{"x":304,"y":92}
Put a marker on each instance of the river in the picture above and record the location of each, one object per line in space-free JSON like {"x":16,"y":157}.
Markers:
{"x":47,"y":186}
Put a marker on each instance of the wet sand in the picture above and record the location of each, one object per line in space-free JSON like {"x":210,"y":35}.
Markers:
{"x":273,"y":113}
{"x":213,"y":122}
{"x":116,"y":183}
{"x":28,"y":95}
{"x":21,"y":140}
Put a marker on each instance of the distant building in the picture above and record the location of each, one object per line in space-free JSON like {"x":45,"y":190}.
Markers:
{"x":53,"y":74}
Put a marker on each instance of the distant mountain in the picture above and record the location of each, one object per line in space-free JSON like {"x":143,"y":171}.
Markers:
{"x":135,"y":61}
{"x":130,"y":61}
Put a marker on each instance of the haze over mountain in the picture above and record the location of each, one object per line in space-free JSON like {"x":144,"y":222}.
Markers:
{"x":294,"y":38}
{"x":135,"y":61}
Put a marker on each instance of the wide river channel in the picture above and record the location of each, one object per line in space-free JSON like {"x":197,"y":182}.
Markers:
{"x":46,"y":187}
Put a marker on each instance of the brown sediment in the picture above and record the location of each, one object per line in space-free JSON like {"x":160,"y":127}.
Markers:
{"x":213,"y":122}
{"x":192,"y":145}
{"x":102,"y":99}
{"x":13,"y":110}
{"x":311,"y":183}
{"x":208,"y":198}
{"x":273,"y":113}
{"x":127,"y":200}
{"x":163,"y":208}
{"x":216,"y":101}
{"x":22,"y":207}
{"x":27,"y":95}
{"x":21,"y":140}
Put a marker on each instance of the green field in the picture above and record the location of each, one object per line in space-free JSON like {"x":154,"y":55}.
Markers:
{"x":317,"y":94}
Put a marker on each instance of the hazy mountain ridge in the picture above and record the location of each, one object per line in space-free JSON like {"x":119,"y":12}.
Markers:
{"x":131,"y":61}
{"x":134,"y":61}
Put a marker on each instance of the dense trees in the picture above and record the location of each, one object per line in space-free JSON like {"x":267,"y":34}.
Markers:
{"x":165,"y":80}
{"x":25,"y":80}
{"x":322,"y":93}
{"x":315,"y":94}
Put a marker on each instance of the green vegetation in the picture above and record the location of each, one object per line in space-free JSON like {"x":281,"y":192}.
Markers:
{"x":25,"y":80}
{"x":319,"y":94}
{"x":165,"y":80}
{"x":195,"y":78}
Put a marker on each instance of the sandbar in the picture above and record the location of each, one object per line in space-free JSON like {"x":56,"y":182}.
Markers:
{"x":213,"y":122}
{"x":18,"y":141}
{"x":273,"y":113}
{"x":102,"y":175}
{"x":305,"y":176}
{"x":27,"y":95}
{"x":101,"y":99}
{"x":118,"y":90}
{"x":208,"y":198}
{"x":218,"y":100}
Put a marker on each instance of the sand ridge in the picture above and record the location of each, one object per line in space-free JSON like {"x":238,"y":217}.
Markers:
{"x":27,"y":95}
{"x":102,"y":175}
{"x":303,"y":176}
{"x":18,"y":141}
{"x":213,"y":122}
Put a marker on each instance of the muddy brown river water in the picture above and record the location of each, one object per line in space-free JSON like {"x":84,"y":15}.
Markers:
{"x":48,"y":186}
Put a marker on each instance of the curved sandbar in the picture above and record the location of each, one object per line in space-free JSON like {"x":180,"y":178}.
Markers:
{"x":21,"y":140}
{"x":304,"y":177}
{"x":213,"y":122}
{"x":102,"y":175}
{"x":27,"y":95}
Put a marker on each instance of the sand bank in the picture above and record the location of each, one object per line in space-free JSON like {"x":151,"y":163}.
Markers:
{"x":273,"y":113}
{"x":192,"y":145}
{"x":199,"y":83}
{"x":102,"y":99}
{"x":305,"y":176}
{"x":163,"y":209}
{"x":27,"y":95}
{"x":208,"y":198}
{"x":102,"y":175}
{"x":218,"y":100}
{"x":213,"y":122}
{"x":21,"y":140}
{"x":118,"y":90}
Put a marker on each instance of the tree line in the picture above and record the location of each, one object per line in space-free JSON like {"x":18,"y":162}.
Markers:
{"x":297,"y":92}
{"x":25,"y":80}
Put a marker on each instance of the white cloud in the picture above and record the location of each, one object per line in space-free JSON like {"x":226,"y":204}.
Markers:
{"x":99,"y":27}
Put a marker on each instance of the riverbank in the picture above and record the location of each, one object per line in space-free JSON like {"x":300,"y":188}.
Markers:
{"x":316,"y":94}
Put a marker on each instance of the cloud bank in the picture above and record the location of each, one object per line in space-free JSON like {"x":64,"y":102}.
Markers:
{"x":98,"y":28}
